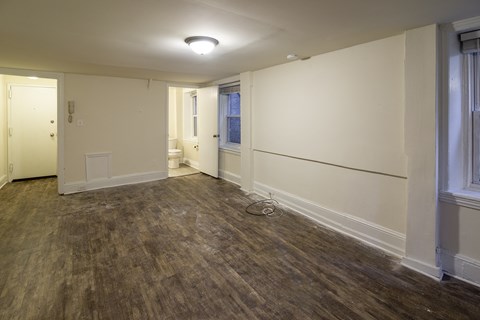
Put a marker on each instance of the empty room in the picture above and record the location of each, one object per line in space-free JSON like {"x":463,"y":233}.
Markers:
{"x":214,"y":159}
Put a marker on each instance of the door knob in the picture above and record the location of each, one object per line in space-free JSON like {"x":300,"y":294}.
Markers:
{"x":52,"y":134}
{"x":216,"y":136}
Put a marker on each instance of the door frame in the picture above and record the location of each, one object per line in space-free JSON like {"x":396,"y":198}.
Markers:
{"x":207,"y":138}
{"x":10,"y":146}
{"x":167,"y":112}
{"x":60,"y":115}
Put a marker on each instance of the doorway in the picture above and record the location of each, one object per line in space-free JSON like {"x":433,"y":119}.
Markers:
{"x":193,"y":126}
{"x":29,"y":120}
{"x":32,"y":136}
{"x":182,"y":132}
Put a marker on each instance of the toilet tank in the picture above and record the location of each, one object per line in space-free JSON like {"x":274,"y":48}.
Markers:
{"x":172,"y":143}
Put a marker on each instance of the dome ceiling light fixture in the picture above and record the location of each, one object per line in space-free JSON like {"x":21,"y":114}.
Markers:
{"x":201,"y":45}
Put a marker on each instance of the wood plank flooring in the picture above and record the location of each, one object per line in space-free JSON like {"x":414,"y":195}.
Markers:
{"x":184,"y":248}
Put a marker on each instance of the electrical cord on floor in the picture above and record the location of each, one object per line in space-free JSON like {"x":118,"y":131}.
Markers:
{"x":267,"y":207}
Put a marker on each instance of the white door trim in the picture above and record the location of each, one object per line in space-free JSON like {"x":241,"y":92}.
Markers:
{"x":11,"y":159}
{"x":208,"y":135}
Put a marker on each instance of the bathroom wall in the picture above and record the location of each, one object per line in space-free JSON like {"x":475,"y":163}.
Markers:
{"x":124,"y":117}
{"x":328,"y":139}
{"x":3,"y":132}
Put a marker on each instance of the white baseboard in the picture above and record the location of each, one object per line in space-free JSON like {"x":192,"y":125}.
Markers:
{"x":191,"y":163}
{"x":80,"y":186}
{"x":231,"y":177}
{"x":3,"y":181}
{"x":428,"y":270}
{"x":461,"y":267}
{"x":365,"y":231}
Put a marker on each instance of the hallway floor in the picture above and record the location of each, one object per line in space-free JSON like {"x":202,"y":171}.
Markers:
{"x":184,"y":248}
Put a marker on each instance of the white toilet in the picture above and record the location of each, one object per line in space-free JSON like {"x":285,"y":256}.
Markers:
{"x":174,"y":155}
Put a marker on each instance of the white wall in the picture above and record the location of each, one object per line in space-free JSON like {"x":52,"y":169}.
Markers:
{"x":229,"y":165}
{"x":121,"y":116}
{"x":246,"y":148}
{"x":172,"y":112}
{"x":459,"y":239}
{"x":459,"y":230}
{"x":420,"y":145}
{"x":328,"y":138}
{"x":3,"y":132}
{"x":343,"y":108}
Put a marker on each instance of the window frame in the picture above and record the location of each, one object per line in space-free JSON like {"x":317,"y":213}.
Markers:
{"x":194,"y":125}
{"x":223,"y":119}
{"x":471,"y":78}
{"x":189,"y":116}
{"x":456,"y":121}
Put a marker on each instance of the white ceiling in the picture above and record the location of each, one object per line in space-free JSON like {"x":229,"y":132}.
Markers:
{"x":145,"y":38}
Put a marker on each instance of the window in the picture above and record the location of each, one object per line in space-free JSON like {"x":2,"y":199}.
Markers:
{"x":190,"y":115}
{"x":194,"y":116}
{"x":471,"y":51}
{"x":459,"y":139}
{"x":230,"y":120}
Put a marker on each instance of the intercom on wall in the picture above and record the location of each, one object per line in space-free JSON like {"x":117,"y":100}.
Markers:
{"x":71,"y":110}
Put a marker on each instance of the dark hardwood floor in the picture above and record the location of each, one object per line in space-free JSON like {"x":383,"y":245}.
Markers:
{"x":184,"y":248}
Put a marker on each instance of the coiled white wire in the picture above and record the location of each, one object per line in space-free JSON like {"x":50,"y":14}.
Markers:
{"x":267,"y":207}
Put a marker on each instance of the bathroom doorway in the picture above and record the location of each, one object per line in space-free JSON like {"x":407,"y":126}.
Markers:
{"x":183,"y":155}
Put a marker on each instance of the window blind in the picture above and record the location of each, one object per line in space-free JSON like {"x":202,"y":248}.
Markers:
{"x":231,"y":88}
{"x":470,"y":41}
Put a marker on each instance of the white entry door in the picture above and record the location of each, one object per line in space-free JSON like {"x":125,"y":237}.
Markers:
{"x":207,"y":101}
{"x":32,"y":132}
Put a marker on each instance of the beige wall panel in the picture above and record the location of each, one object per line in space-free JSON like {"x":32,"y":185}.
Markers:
{"x":343,"y":107}
{"x":229,"y":162}
{"x":122,"y":116}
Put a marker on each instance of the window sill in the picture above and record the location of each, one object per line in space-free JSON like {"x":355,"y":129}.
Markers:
{"x":463,"y":198}
{"x":230,"y":149}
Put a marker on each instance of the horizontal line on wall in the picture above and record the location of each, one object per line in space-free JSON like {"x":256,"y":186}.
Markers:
{"x":332,"y":164}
